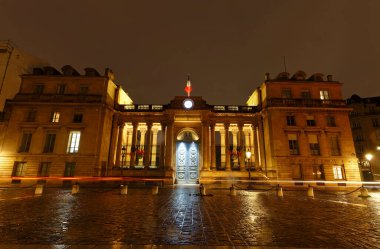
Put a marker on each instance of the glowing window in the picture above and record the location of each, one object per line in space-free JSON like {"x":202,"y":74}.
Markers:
{"x":338,"y":172}
{"x":324,"y":94}
{"x":55,"y":117}
{"x":74,"y":139}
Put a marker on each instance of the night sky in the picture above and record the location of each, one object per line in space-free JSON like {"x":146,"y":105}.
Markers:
{"x":226,"y":46}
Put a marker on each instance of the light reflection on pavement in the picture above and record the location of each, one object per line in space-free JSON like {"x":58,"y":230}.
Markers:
{"x":102,"y":217}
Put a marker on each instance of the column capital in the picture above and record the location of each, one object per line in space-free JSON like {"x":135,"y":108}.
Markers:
{"x":121,"y":124}
{"x":149,"y":124}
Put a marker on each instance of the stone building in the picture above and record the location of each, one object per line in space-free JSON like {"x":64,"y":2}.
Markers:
{"x":365,"y":125}
{"x":306,"y":128}
{"x":13,"y":63}
{"x":67,"y":124}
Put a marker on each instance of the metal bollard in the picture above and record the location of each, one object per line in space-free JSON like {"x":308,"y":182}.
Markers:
{"x":75,"y":189}
{"x":232,"y":190}
{"x":155,"y":190}
{"x":279,"y":191}
{"x":39,"y":189}
{"x":310,"y":192}
{"x":364,"y":193}
{"x":123,"y":189}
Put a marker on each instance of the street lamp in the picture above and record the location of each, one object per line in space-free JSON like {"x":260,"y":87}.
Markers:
{"x":248,"y":156}
{"x":368,"y":156}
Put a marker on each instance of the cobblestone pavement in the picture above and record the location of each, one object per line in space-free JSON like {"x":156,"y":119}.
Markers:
{"x":179,"y":218}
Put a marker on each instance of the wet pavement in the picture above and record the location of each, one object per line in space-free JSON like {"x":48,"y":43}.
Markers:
{"x":179,"y":218}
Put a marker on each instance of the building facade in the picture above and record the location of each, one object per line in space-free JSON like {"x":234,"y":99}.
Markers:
{"x":66,"y":124}
{"x":365,"y":125}
{"x":13,"y":63}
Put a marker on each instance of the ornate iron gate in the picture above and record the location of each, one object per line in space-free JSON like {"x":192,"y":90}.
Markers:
{"x":187,"y":162}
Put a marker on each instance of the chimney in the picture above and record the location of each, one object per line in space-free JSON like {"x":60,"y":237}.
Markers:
{"x":267,"y":76}
{"x":329,"y":77}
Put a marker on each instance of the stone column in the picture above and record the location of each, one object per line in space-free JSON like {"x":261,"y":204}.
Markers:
{"x":234,"y":144}
{"x":119,"y":143}
{"x":129,"y":145}
{"x":227,"y":144}
{"x":261,"y":144}
{"x":256,"y":147}
{"x":154,"y":146}
{"x":148,"y":146}
{"x":169,"y":146}
{"x":223,"y":147}
{"x":213,"y":155}
{"x":205,"y":145}
{"x":162,"y":149}
{"x":241,"y":145}
{"x":323,"y":144}
{"x":114,"y":135}
{"x":142,"y":145}
{"x":133,"y":147}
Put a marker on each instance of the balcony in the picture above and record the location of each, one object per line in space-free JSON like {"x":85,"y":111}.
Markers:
{"x":76,"y":98}
{"x":279,"y":102}
{"x":235,"y":108}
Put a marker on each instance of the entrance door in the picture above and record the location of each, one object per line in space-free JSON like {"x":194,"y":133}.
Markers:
{"x":187,"y":162}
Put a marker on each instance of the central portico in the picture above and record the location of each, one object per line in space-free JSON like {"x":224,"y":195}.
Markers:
{"x":186,"y":141}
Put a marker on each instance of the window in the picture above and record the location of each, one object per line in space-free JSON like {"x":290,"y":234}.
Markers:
{"x":78,"y":117}
{"x":55,"y":117}
{"x":83,"y":90}
{"x":330,"y":120}
{"x":324,"y":94}
{"x":73,"y":145}
{"x":286,"y":93}
{"x":305,"y":94}
{"x":30,"y":116}
{"x":359,"y":137}
{"x":69,"y":169}
{"x":334,"y":145}
{"x":39,"y":89}
{"x":25,"y":142}
{"x":375,"y":122}
{"x":318,"y":172}
{"x":359,"y":148}
{"x":293,"y":144}
{"x":61,"y":89}
{"x":338,"y":171}
{"x":356,"y":125}
{"x":313,"y":144}
{"x":297,"y":171}
{"x":19,"y":169}
{"x":44,"y":169}
{"x":49,"y":143}
{"x":290,"y":120}
{"x":310,"y":120}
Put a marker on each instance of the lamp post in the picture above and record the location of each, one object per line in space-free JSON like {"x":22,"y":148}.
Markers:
{"x":248,"y":156}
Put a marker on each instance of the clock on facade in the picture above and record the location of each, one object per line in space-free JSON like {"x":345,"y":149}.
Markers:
{"x":188,"y":103}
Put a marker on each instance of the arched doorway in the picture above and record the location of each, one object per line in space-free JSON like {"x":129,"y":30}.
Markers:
{"x":187,"y":157}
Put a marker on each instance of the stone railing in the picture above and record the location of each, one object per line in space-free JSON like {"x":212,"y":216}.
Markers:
{"x":279,"y":102}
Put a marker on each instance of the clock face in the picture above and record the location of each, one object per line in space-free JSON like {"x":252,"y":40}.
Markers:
{"x":188,"y":103}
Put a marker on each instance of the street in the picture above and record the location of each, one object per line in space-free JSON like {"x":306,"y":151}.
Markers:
{"x":102,"y":218}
